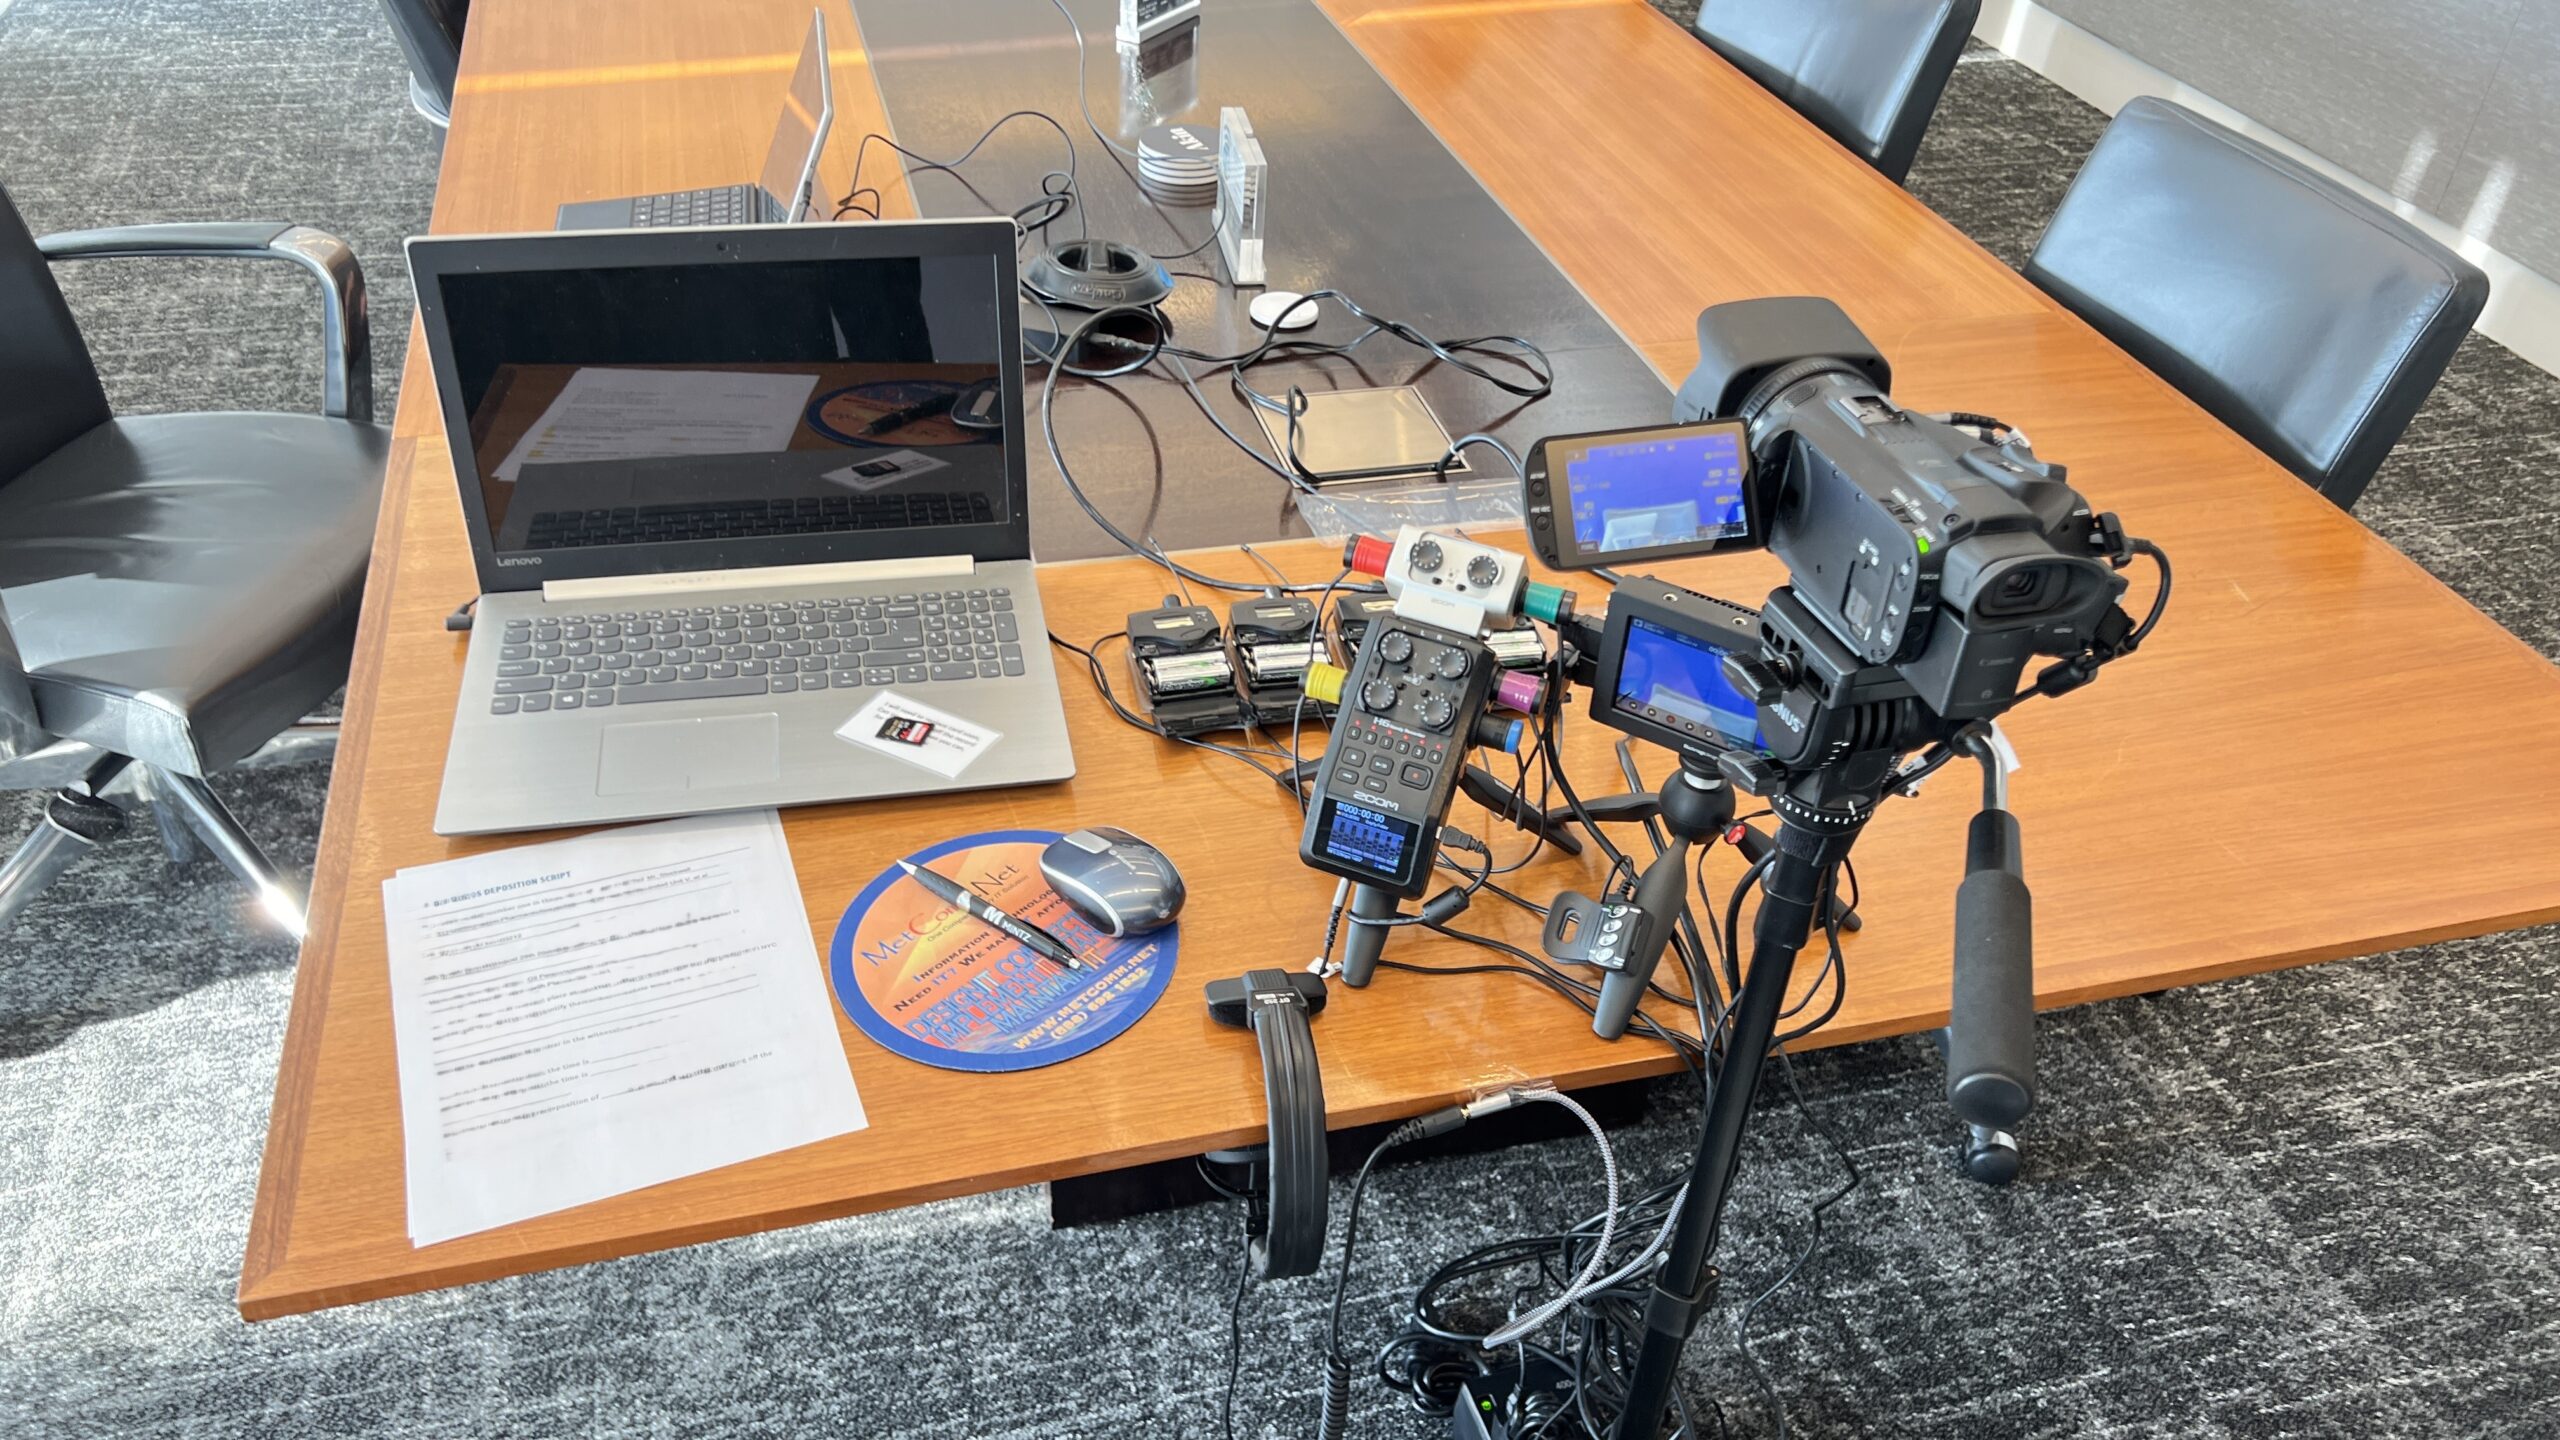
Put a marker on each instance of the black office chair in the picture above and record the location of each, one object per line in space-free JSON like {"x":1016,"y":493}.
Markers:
{"x":1869,"y":72}
{"x":430,"y":36}
{"x":175,"y":590}
{"x":2306,"y":318}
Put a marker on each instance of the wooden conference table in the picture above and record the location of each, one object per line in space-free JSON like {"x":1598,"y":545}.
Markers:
{"x":2323,"y":753}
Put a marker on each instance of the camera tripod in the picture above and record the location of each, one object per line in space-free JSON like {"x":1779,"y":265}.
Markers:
{"x":1809,"y":845}
{"x":1990,"y":1038}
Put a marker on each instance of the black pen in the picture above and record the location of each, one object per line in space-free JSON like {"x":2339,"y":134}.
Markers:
{"x":1041,"y":941}
{"x":904,"y":416}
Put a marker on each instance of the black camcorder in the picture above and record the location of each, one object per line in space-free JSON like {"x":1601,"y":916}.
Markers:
{"x":1915,"y":543}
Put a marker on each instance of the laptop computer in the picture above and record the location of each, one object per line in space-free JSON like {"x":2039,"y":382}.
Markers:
{"x":730,"y":492}
{"x":780,"y":196}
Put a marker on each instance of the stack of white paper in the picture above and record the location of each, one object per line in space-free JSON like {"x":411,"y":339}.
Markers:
{"x":608,"y":414}
{"x":591,"y":1016}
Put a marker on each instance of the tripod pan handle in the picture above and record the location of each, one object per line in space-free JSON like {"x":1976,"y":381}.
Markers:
{"x":1991,"y":1028}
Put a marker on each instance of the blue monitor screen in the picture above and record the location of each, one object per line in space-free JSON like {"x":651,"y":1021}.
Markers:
{"x":1367,"y":838}
{"x":1669,"y":488}
{"x":1678,"y":680}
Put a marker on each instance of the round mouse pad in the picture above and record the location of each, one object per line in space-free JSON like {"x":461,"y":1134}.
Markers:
{"x":936,"y":985}
{"x":892,"y":414}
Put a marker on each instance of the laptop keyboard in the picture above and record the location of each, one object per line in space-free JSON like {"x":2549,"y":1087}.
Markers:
{"x":798,"y":647}
{"x":719,"y":205}
{"x":727,"y":519}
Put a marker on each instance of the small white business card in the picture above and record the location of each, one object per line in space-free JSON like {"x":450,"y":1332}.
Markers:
{"x":918,"y":734}
{"x":878,"y":471}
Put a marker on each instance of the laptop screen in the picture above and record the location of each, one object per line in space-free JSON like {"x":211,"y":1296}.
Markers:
{"x":729,"y":413}
{"x":788,"y":164}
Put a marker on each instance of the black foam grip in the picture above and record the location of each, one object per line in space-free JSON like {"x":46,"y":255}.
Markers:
{"x":1293,"y":1244}
{"x":1991,"y":1055}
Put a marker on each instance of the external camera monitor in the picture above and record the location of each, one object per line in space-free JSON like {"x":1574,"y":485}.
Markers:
{"x":1662,"y":672}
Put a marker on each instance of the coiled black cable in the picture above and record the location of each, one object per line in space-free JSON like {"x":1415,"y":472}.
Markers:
{"x":1334,"y":1419}
{"x":1335,"y":1410}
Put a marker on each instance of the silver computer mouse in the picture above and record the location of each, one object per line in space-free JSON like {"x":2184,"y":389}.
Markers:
{"x":1122,"y":884}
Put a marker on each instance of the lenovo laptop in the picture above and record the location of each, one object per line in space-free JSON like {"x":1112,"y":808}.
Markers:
{"x":747,"y":507}
{"x":784,"y":192}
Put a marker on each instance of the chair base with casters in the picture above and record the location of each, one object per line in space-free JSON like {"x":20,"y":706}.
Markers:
{"x":177,"y":590}
{"x":78,"y":819}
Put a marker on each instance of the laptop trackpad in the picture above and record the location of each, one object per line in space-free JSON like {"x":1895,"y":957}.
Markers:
{"x":707,"y":754}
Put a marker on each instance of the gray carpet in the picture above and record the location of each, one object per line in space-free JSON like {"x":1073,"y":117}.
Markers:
{"x":2307,"y":1204}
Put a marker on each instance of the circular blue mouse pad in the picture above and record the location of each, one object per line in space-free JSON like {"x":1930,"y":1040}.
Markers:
{"x":931,"y":983}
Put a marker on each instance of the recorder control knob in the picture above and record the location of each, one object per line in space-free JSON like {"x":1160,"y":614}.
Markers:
{"x":1434,"y":709}
{"x":1425,"y":557}
{"x":1449,"y":664}
{"x":1395,"y":647}
{"x":1483,"y":570}
{"x":1379,"y":695}
{"x":1758,"y":681}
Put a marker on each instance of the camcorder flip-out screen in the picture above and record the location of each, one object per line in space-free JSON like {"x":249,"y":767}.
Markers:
{"x":1615,"y":497}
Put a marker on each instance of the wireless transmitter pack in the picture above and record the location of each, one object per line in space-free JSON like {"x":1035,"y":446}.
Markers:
{"x":1352,"y":615}
{"x":1178,"y":659}
{"x":1275,"y":641}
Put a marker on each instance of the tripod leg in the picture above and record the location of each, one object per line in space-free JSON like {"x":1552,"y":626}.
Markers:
{"x":1790,"y":896}
{"x":1360,"y":948}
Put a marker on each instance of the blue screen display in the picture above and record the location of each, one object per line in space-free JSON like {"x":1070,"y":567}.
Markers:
{"x":1668,"y":489}
{"x":1367,"y":838}
{"x":1677,"y":680}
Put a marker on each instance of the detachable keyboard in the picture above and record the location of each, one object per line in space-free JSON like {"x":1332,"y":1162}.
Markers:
{"x":703,"y":652}
{"x":718,"y":205}
{"x":734,"y":519}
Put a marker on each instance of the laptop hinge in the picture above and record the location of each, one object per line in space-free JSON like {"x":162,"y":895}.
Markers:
{"x":768,"y":577}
